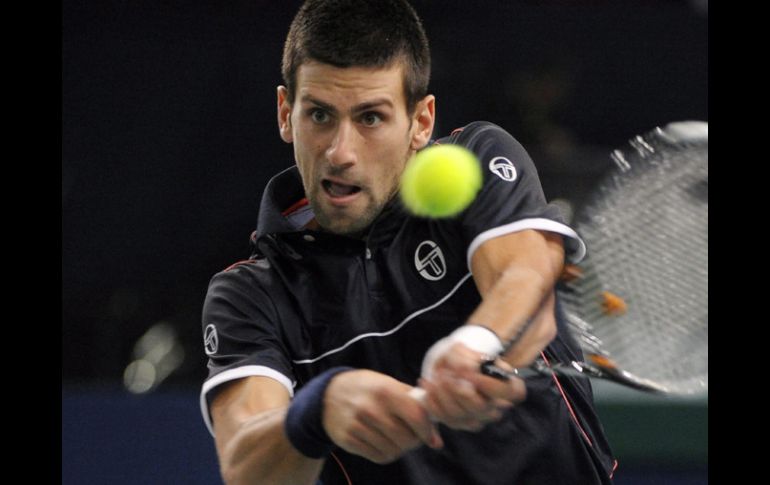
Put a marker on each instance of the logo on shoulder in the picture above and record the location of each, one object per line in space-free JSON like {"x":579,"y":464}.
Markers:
{"x":210,"y":339}
{"x":429,"y":261}
{"x":503,"y":168}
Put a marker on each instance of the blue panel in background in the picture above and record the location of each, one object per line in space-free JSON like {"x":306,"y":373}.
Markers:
{"x":113,"y":437}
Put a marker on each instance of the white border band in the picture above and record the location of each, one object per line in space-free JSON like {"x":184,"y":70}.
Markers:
{"x":389,"y":332}
{"x":535,"y":223}
{"x":238,"y":373}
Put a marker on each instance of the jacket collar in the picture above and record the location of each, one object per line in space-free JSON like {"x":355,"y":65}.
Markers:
{"x":285,"y":188}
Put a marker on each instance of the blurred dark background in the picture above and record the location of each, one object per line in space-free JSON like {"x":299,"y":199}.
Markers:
{"x":169,"y":136}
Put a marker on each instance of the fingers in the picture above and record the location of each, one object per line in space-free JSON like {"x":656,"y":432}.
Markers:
{"x":470,"y":401}
{"x":417,"y":419}
{"x":384,"y":437}
{"x":372,"y":415}
{"x":462,"y":397}
{"x":456,"y":403}
{"x":511,"y":391}
{"x":380,"y":439}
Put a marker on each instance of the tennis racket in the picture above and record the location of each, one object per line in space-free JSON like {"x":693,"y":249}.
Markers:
{"x":638,"y":303}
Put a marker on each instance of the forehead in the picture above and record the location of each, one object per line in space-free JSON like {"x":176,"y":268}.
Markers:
{"x":350,"y":85}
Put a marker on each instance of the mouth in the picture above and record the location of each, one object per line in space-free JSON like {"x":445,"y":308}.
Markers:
{"x":340,"y":192}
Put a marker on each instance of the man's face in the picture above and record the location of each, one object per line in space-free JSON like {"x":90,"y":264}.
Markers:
{"x":352,"y":137}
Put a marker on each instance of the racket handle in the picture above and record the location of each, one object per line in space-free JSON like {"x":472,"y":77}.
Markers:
{"x":487,"y":368}
{"x":490,"y":369}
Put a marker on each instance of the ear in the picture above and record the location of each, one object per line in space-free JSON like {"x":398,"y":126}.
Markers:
{"x":422,"y":122}
{"x":284,"y":115}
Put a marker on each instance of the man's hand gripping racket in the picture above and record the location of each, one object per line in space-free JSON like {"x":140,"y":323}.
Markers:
{"x":638,"y":304}
{"x":453,"y":390}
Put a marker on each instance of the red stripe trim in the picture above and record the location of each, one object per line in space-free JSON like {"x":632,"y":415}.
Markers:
{"x":566,"y":401}
{"x":456,"y":130}
{"x":235,"y":265}
{"x":342,"y":468}
{"x":295,"y":206}
{"x":572,"y":413}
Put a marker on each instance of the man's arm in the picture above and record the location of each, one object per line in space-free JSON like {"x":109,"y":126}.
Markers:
{"x":366,"y":413}
{"x":515,"y":275}
{"x":248,"y":417}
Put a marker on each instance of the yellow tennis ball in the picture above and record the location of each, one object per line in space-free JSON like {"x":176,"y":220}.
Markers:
{"x":440,"y":181}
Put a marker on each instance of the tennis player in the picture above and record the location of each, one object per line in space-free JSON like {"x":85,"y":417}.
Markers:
{"x":348,"y":302}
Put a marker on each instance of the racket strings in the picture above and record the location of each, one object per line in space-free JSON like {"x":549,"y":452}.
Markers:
{"x":647,"y":230}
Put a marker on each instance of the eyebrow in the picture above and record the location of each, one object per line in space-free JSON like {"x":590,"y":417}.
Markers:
{"x":366,"y":106}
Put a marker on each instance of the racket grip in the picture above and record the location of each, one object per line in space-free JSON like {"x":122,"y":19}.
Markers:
{"x":488,"y":368}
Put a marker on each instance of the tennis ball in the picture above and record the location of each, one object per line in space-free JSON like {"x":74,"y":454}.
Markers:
{"x":440,"y":181}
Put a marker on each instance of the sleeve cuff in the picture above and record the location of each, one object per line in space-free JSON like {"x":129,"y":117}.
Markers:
{"x":234,"y":374}
{"x":576,"y":248}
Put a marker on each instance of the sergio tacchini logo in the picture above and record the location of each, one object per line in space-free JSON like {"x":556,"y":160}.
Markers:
{"x":429,"y":261}
{"x":503,"y":168}
{"x":210,"y":339}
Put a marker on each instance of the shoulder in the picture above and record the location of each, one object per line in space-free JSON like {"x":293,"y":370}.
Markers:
{"x":478,"y":132}
{"x":490,"y":143}
{"x":243,"y":269}
{"x":248,"y":277}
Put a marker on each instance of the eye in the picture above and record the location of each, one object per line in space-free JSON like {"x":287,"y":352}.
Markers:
{"x":319,"y":116}
{"x":371,"y":118}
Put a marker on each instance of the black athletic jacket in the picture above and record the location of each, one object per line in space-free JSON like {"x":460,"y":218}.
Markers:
{"x":308,"y":300}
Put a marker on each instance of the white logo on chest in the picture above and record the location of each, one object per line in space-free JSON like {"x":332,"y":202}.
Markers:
{"x":429,"y":261}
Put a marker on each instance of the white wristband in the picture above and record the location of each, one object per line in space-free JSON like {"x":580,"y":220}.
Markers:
{"x":479,"y":339}
{"x":475,"y":337}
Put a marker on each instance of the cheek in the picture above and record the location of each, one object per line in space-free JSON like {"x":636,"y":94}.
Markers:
{"x":304,"y":162}
{"x":389,"y":176}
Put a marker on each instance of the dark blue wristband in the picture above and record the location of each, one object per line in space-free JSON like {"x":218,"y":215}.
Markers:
{"x":303,"y":423}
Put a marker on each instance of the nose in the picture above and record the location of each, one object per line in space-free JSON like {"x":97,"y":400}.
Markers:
{"x":342,"y":151}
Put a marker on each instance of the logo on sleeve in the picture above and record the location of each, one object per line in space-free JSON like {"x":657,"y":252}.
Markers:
{"x":429,"y":261}
{"x":210,"y":339}
{"x":503,"y":168}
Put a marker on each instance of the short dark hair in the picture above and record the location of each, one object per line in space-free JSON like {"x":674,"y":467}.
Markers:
{"x":362,"y":33}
